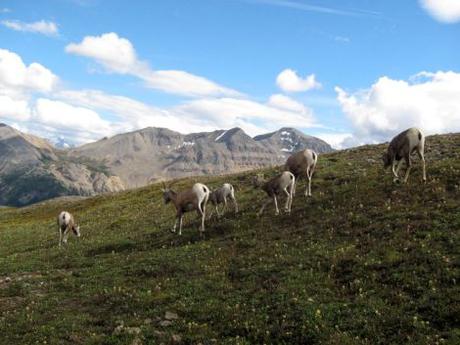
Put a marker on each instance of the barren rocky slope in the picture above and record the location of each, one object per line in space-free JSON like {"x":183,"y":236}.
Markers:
{"x":151,"y":154}
{"x":32,"y":170}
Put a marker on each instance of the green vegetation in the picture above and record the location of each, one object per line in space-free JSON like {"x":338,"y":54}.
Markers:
{"x":364,"y":261}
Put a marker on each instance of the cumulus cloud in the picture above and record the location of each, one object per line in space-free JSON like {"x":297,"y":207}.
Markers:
{"x":61,"y":115}
{"x":15,"y":74}
{"x":446,"y":11}
{"x":85,"y":115}
{"x":117,"y":54}
{"x":14,"y":109}
{"x":430,"y":101}
{"x":18,"y":82}
{"x":284,"y":102}
{"x":337,"y":140}
{"x":43,"y":27}
{"x":289,"y":81}
{"x":195,"y":115}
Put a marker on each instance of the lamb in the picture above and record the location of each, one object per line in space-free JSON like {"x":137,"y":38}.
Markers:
{"x":192,"y":199}
{"x":283,"y":183}
{"x":402,"y":147}
{"x":220,"y":196}
{"x":301,"y":164}
{"x":66,"y":223}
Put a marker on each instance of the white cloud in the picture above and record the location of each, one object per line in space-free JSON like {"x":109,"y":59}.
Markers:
{"x":284,"y":102}
{"x":430,"y":101}
{"x":342,"y":39}
{"x":446,"y":11}
{"x":61,"y":115}
{"x":289,"y":81}
{"x":337,"y":140}
{"x":197,"y":115}
{"x":14,"y":109}
{"x":117,"y":54}
{"x":85,"y":115}
{"x":5,"y":10}
{"x":47,"y":28}
{"x":15,"y":74}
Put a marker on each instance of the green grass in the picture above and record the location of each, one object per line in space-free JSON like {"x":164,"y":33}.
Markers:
{"x":364,"y":261}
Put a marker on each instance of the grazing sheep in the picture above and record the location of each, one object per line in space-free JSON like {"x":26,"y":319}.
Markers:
{"x":301,"y":164}
{"x":192,"y":199}
{"x":66,"y":223}
{"x":220,"y":196}
{"x":283,"y":183}
{"x":402,"y":147}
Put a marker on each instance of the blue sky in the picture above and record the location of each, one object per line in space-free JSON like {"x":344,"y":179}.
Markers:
{"x":378,"y":66}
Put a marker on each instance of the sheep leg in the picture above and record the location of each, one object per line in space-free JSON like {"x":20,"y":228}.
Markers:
{"x":308,"y":178}
{"x":277,"y":212}
{"x":397,"y":165}
{"x":309,"y":175}
{"x":202,"y":211}
{"x":180,"y":224}
{"x":409,"y":165}
{"x":263,"y":207}
{"x":60,"y":237}
{"x":295,"y":184}
{"x":217,"y":210}
{"x":291,"y":197}
{"x":225,"y":204}
{"x":288,"y":197}
{"x":235,"y":204}
{"x":175,"y":223}
{"x":422,"y":158}
{"x":66,"y":235}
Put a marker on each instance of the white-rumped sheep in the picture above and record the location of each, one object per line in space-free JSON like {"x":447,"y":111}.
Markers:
{"x":402,"y":147}
{"x":194,"y":199}
{"x":66,"y":223}
{"x":302,"y":164}
{"x":220,"y":195}
{"x":283,"y":183}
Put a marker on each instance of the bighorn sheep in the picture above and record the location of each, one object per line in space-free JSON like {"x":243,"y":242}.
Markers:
{"x":66,"y":223}
{"x":188,"y":200}
{"x":220,"y":196}
{"x":301,"y":164}
{"x":402,"y":147}
{"x":283,"y":183}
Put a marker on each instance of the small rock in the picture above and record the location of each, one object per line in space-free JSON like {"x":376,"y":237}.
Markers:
{"x":171,"y":316}
{"x":176,"y":338}
{"x":118,"y":329}
{"x":137,"y":341}
{"x":147,"y":321}
{"x":7,"y":280}
{"x":165,"y":323}
{"x":133,"y":330}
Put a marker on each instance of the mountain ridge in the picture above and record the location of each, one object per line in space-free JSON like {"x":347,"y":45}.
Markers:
{"x":134,"y":159}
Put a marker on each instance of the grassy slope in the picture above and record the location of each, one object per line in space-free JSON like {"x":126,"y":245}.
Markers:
{"x":363,"y":261}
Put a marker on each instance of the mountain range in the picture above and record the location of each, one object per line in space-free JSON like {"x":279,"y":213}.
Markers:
{"x":31,"y":169}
